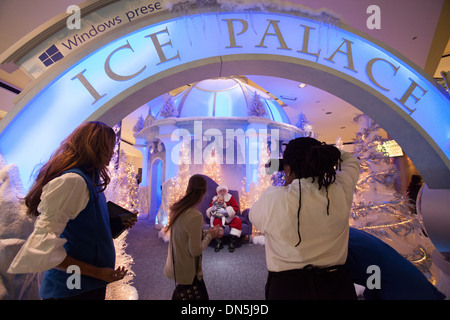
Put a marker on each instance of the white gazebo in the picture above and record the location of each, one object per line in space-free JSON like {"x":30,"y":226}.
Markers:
{"x":226,"y":117}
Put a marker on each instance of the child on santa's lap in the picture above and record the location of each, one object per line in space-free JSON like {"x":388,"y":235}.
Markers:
{"x":229,"y":216}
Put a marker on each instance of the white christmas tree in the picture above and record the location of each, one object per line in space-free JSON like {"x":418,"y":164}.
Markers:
{"x":176,"y":188}
{"x":139,"y":124}
{"x":302,"y":121}
{"x":256,"y":107}
{"x":168,"y":109}
{"x":212,"y":169}
{"x":305,"y":125}
{"x":247,"y":198}
{"x":378,"y":209}
{"x":122,"y":190}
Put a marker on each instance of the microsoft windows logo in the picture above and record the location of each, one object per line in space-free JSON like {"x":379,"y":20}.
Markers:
{"x":50,"y":56}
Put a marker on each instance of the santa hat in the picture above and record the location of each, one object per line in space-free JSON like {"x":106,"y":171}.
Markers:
{"x":220,"y":188}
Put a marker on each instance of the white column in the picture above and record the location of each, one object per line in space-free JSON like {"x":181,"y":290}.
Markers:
{"x":252,"y":147}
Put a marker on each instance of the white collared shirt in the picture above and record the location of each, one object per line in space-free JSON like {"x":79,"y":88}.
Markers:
{"x":324,"y":237}
{"x":62,"y":199}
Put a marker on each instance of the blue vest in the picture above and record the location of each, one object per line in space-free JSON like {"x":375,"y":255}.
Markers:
{"x":89,"y":240}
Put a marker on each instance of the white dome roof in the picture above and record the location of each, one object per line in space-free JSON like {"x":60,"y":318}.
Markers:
{"x":225,"y":97}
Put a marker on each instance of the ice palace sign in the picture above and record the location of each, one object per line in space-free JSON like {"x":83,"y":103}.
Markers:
{"x":119,"y":71}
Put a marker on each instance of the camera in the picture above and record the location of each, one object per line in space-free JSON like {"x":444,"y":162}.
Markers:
{"x":274,"y":165}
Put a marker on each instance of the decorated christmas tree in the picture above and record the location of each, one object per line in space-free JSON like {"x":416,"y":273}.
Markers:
{"x":168,"y":109}
{"x":256,"y":107}
{"x":122,"y":190}
{"x":178,"y":188}
{"x":212,"y":169}
{"x":381,"y":211}
{"x":305,"y":125}
{"x":302,"y":121}
{"x":139,"y":125}
{"x":263,"y":181}
{"x":175,"y":188}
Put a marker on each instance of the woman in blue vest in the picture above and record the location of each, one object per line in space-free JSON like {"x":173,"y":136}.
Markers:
{"x":72,"y":231}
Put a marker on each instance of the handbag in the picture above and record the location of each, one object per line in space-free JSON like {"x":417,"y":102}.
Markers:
{"x":196,"y":290}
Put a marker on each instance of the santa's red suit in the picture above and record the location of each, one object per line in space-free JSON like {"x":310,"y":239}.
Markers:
{"x":232,"y":208}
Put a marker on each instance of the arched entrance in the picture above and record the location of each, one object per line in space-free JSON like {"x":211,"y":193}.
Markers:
{"x":110,"y":77}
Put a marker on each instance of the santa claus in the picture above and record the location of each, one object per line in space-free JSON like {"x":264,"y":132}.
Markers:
{"x":231,"y":208}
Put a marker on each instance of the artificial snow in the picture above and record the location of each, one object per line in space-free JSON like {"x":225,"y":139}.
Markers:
{"x":15,"y":227}
{"x":241,"y":5}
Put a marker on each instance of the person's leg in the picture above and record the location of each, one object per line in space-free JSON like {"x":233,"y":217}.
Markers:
{"x":289,"y":285}
{"x":235,"y":232}
{"x":219,"y":245}
{"x":332,"y":283}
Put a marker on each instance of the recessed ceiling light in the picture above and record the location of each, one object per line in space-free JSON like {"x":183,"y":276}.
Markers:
{"x":302,"y":85}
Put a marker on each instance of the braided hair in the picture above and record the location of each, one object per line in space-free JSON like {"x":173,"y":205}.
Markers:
{"x":309,"y":158}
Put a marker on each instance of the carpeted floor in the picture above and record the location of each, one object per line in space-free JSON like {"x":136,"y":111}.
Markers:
{"x":240,"y":275}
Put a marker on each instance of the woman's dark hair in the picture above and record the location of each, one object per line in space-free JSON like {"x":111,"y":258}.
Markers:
{"x":309,"y":158}
{"x":195,"y":191}
{"x":89,"y":147}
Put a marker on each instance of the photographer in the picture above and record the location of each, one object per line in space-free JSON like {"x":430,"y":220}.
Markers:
{"x":306,"y":223}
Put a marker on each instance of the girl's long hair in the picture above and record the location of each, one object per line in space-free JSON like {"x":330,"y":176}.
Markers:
{"x":195,"y":191}
{"x":89,"y":147}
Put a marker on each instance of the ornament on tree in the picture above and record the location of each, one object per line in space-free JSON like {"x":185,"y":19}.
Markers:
{"x":378,"y":209}
{"x":256,"y":108}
